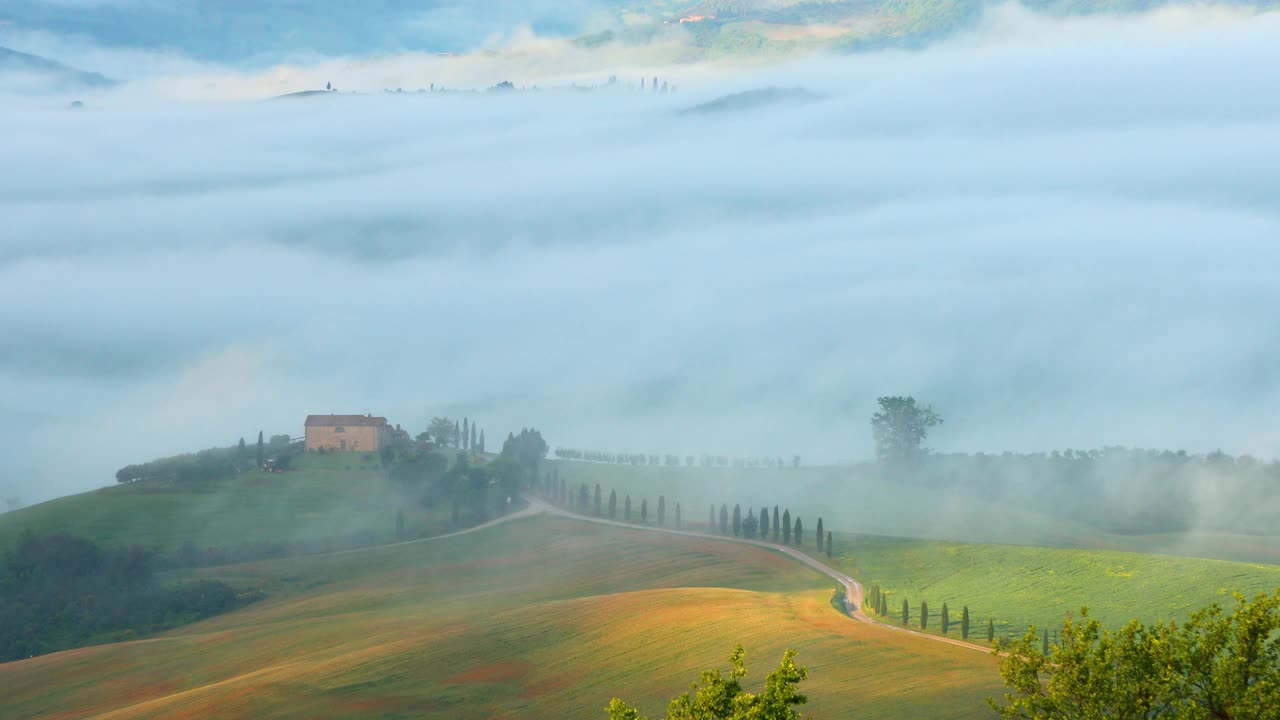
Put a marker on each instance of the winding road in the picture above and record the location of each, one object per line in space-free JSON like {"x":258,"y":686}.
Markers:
{"x":852,"y":588}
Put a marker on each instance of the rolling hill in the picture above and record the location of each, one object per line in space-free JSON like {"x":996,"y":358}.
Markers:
{"x":332,"y":496}
{"x":536,"y":618}
{"x":42,"y":73}
{"x":1016,"y":568}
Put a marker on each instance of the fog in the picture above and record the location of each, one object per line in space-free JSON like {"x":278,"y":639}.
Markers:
{"x":1059,"y":233}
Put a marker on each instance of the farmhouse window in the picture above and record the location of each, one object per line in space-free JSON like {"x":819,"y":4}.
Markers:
{"x":339,"y":429}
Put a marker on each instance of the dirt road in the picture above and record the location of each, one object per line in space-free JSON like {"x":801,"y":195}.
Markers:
{"x":852,"y":588}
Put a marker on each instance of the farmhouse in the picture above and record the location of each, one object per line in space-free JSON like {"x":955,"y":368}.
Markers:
{"x":364,"y":433}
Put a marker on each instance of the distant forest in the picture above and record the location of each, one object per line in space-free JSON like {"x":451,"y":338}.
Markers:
{"x":1116,"y":489}
{"x":59,"y":591}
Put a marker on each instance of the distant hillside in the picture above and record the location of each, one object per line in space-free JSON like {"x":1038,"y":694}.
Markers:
{"x":49,"y":74}
{"x":271,"y":30}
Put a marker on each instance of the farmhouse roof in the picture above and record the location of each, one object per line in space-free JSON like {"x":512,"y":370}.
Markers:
{"x":354,"y":420}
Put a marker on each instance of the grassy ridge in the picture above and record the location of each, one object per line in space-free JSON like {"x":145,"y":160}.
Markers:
{"x":539,"y":618}
{"x":327,"y":496}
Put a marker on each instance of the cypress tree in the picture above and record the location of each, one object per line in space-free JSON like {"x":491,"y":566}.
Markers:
{"x":242,"y":450}
{"x":991,"y":631}
{"x":677,"y":516}
{"x":1044,"y":645}
{"x":828,"y":543}
{"x":597,"y":501}
{"x":750,"y":525}
{"x":626,"y":510}
{"x":799,"y":532}
{"x":644,"y":511}
{"x":764,"y":523}
{"x":662,"y":509}
{"x":613,"y":504}
{"x":946,"y":619}
{"x":457,"y":434}
{"x":906,"y":612}
{"x":473,"y":439}
{"x":482,"y":441}
{"x":724,"y":519}
{"x":884,"y":606}
{"x":262,"y":455}
{"x":786,"y":527}
{"x":776,"y":529}
{"x":466,"y":434}
{"x":820,"y":536}
{"x":924,"y":616}
{"x":584,"y":498}
{"x":964,"y":622}
{"x":737,"y":521}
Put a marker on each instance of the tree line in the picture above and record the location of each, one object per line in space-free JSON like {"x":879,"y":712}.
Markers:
{"x":781,"y":528}
{"x":59,"y":591}
{"x":669,"y":460}
{"x":213,"y":463}
{"x":589,"y":500}
{"x":876,"y":601}
{"x":1115,"y":489}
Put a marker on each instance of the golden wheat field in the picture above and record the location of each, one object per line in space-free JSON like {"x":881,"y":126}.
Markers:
{"x":537,"y":618}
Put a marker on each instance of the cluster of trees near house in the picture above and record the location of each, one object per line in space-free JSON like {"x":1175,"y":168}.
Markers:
{"x":476,"y":491}
{"x":59,"y":591}
{"x":670,"y":460}
{"x":214,"y":463}
{"x":451,"y":433}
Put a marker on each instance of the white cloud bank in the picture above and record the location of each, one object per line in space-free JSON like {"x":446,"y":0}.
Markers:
{"x":1063,"y":236}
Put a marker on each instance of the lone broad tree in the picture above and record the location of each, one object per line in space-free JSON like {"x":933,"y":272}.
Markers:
{"x":900,"y":427}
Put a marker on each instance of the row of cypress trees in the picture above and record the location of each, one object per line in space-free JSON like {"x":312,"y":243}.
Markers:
{"x":760,"y":527}
{"x":589,"y":501}
{"x":876,"y":600}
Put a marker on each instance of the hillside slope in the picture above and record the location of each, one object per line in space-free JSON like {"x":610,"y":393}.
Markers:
{"x":42,"y":73}
{"x":326,"y":497}
{"x":538,"y":618}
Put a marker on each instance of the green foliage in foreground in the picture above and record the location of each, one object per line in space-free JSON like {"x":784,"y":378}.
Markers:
{"x":1217,"y":665}
{"x":722,"y":698}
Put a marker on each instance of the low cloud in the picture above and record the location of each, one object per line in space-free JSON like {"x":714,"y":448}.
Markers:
{"x":1061,"y":236}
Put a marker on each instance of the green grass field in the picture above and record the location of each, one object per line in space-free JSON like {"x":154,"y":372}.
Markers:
{"x":538,"y":618}
{"x":326,"y":496}
{"x":1018,"y":586}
